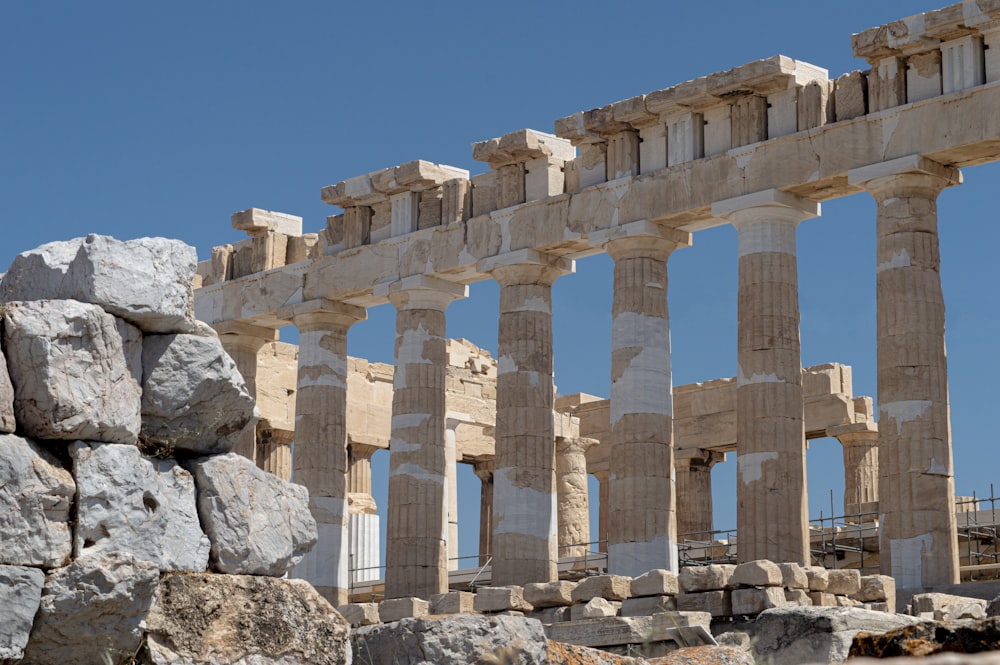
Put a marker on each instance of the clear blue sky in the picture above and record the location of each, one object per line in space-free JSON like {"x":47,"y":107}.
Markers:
{"x":139,"y":118}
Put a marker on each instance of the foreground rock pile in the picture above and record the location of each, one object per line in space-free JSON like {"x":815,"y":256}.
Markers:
{"x":119,"y":499}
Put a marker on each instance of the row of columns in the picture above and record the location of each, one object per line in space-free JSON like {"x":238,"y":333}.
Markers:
{"x":914,"y":452}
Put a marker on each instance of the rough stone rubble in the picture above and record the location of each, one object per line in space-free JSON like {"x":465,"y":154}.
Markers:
{"x":121,"y":505}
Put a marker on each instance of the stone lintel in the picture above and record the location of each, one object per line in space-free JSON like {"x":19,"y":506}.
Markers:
{"x":640,"y":228}
{"x":347,"y":314}
{"x":257,"y":222}
{"x":914,"y":164}
{"x":453,"y":419}
{"x":768,"y":198}
{"x":761,"y":77}
{"x":522,"y":146}
{"x":923,"y":32}
{"x":377,"y":186}
{"x":421,"y":291}
{"x":247,"y":329}
{"x":526,"y":257}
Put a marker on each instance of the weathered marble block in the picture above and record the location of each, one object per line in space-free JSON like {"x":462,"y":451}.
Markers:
{"x":395,"y":609}
{"x":549,"y":594}
{"x":93,"y":610}
{"x":819,"y":578}
{"x":705,"y":578}
{"x":655,"y":583}
{"x":595,"y":608}
{"x":36,"y":496}
{"x":501,"y":599}
{"x":609,"y":587}
{"x":718,"y":603}
{"x":360,"y":614}
{"x":145,"y":281}
{"x":193,"y":396}
{"x":452,"y":602}
{"x":754,"y":601}
{"x":20,"y":594}
{"x":258,"y":523}
{"x":67,"y":362}
{"x":8,"y":422}
{"x":793,"y":576}
{"x":843,"y":582}
{"x":757,"y":573}
{"x":130,"y":503}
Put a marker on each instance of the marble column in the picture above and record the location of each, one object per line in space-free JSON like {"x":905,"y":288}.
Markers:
{"x":243,"y":342}
{"x":417,"y":516}
{"x":860,"y":444}
{"x":320,"y":459}
{"x":573,"y":502}
{"x":452,"y":421}
{"x":363,"y":519}
{"x":525,"y":531}
{"x":643,"y":527}
{"x":694,"y":493}
{"x":917,"y":530}
{"x":484,"y":471}
{"x":603,"y":513}
{"x":771,"y":497}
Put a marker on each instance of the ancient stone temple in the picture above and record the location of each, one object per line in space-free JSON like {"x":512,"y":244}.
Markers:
{"x":759,"y":146}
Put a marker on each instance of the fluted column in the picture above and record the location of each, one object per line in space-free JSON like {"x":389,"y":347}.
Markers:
{"x":452,"y":421}
{"x":603,"y":513}
{"x":917,"y":534}
{"x":320,"y":459}
{"x":243,"y":342}
{"x":694,"y":493}
{"x":417,"y":527}
{"x":484,"y":471}
{"x":643,"y":527}
{"x":771,"y":497}
{"x":524,"y":489}
{"x":274,"y":450}
{"x":363,"y":519}
{"x":573,"y":502}
{"x":860,"y":444}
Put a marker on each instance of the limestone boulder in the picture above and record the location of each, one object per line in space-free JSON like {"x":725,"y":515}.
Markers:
{"x":205,"y":619}
{"x":36,"y":497}
{"x":8,"y":423}
{"x":193,"y":398}
{"x":549,"y":594}
{"x":796,"y":635}
{"x":609,"y":587}
{"x":258,"y":523}
{"x":147,"y":281}
{"x":467,"y":638}
{"x":705,"y":578}
{"x":20,"y":594}
{"x":360,"y":614}
{"x":757,"y":573}
{"x":933,"y":602}
{"x":818,"y":578}
{"x":595,"y":608}
{"x":705,"y":655}
{"x":68,"y":367}
{"x":844,"y":582}
{"x":558,"y":653}
{"x":500,"y":599}
{"x":930,"y":637}
{"x":92,"y":611}
{"x":657,"y":582}
{"x":394,"y":609}
{"x":877,"y":588}
{"x":127,"y":502}
{"x":793,"y":576}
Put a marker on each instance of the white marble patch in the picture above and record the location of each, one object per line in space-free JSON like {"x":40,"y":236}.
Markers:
{"x":644,"y":387}
{"x":633,"y":329}
{"x":311,"y":354}
{"x":743,"y":380}
{"x":905,"y":411}
{"x":407,"y":420}
{"x":751,"y":465}
{"x":506,"y":365}
{"x":900,"y":259}
{"x":411,"y":347}
{"x":323,"y":380}
{"x":523,"y":510}
{"x":399,"y":445}
{"x":907,"y":555}
{"x":936,"y":468}
{"x":634,"y":559}
{"x":326,"y":564}
{"x":417,"y":472}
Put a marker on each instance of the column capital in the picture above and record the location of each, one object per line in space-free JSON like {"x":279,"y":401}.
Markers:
{"x":912,"y":170}
{"x":574,"y":444}
{"x":421,"y":292}
{"x":771,"y":205}
{"x":855,"y":434}
{"x":361,"y":450}
{"x":322,"y":314}
{"x":526,"y":266}
{"x":483,"y":469}
{"x":640,"y":238}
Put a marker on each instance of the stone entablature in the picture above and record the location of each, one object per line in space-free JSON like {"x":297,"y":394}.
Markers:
{"x":779,"y":139}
